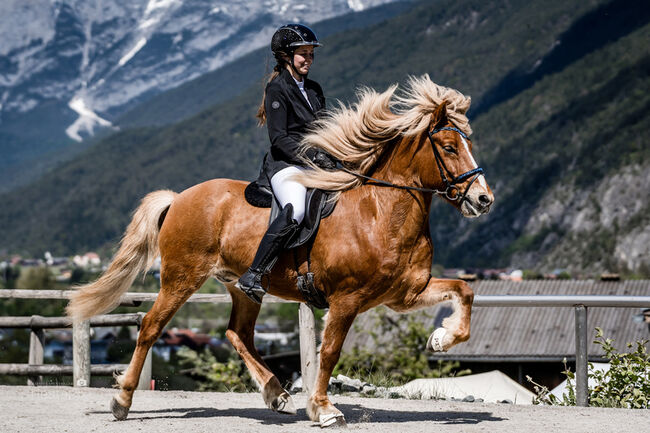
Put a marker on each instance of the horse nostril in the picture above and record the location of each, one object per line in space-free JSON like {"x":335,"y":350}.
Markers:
{"x":484,"y":199}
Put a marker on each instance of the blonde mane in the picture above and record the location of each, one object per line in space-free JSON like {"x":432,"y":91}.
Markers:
{"x":358,"y":134}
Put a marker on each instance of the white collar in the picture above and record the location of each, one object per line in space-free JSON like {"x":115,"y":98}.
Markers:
{"x":301,"y":84}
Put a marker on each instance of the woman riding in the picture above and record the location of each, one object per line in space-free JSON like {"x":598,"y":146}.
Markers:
{"x":291,"y":102}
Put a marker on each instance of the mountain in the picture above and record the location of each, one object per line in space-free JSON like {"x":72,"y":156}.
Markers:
{"x":69,"y":68}
{"x":564,"y":149}
{"x":215,"y":87}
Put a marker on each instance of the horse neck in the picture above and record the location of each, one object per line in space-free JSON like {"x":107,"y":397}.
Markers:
{"x":402,"y":165}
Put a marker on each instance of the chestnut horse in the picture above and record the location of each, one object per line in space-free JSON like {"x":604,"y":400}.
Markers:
{"x":375,"y":249}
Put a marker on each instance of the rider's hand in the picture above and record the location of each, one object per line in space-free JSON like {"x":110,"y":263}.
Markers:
{"x":324,"y":160}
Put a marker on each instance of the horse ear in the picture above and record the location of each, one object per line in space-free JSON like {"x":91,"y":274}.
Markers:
{"x":439,"y":116}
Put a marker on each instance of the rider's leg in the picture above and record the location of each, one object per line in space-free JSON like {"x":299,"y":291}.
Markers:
{"x":288,"y":191}
{"x":291,"y":196}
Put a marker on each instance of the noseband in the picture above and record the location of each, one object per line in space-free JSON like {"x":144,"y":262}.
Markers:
{"x":451,"y":191}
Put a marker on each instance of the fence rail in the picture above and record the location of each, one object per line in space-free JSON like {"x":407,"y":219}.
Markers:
{"x":309,"y":364}
{"x":82,"y":369}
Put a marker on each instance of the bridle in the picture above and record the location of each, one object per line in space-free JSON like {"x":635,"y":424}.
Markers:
{"x":451,"y":191}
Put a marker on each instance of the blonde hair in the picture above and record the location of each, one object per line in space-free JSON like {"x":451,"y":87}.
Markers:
{"x":357,"y":135}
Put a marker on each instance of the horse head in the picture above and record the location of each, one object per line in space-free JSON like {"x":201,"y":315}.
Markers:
{"x":455,"y":170}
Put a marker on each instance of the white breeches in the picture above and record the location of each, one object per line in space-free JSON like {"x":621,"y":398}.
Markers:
{"x":289,"y":191}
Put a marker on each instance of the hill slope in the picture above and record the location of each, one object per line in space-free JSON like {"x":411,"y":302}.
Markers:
{"x":556,"y":149}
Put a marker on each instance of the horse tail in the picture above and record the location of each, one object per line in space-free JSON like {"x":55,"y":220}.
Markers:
{"x":138,"y":250}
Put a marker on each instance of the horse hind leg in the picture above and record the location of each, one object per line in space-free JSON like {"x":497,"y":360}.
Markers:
{"x":175,"y":290}
{"x":240,"y":333}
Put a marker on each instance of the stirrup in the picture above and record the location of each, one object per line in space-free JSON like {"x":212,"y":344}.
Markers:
{"x":252,"y":289}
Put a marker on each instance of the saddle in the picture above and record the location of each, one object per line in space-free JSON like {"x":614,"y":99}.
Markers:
{"x":317,"y":207}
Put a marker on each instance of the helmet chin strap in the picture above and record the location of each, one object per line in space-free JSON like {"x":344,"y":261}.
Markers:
{"x":294,"y":67}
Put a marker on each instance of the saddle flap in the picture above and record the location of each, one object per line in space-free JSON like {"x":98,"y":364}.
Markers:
{"x":318,"y":206}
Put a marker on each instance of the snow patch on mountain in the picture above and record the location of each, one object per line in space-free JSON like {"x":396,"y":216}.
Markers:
{"x":356,"y":5}
{"x":87,"y":121}
{"x":128,"y":56}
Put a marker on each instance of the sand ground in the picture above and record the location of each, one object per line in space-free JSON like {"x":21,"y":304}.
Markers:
{"x":83,"y":410}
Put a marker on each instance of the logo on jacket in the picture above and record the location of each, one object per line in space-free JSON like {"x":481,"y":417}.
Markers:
{"x":275,"y":105}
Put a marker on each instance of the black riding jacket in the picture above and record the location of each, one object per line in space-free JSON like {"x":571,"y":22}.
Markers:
{"x":287,"y":116}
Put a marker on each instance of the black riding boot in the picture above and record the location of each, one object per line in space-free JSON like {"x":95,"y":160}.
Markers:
{"x":276,"y":237}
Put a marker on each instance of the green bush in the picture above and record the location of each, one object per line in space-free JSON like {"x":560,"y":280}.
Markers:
{"x":625,"y":385}
{"x":399,"y":360}
{"x":212,"y":375}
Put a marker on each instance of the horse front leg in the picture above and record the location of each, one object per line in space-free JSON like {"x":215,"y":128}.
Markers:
{"x":319,"y":407}
{"x":455,"y":328}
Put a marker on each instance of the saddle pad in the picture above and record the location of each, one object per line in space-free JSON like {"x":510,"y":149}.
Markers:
{"x":258,"y":196}
{"x":318,"y":206}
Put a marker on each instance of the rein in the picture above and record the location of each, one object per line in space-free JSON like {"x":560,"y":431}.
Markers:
{"x":451,"y":191}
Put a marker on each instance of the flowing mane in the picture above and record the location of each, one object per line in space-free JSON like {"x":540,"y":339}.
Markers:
{"x":358,"y":134}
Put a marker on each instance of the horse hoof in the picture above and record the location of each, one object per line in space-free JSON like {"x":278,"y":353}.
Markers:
{"x":332,"y":420}
{"x":434,"y":344}
{"x":119,"y":412}
{"x":284,"y":404}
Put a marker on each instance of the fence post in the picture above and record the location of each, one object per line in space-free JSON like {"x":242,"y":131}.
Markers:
{"x":81,"y":353}
{"x":36,"y":342}
{"x":145,"y":374}
{"x":308,"y":361}
{"x":582,"y":391}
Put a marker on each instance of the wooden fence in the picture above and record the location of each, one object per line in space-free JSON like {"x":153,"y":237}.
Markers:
{"x":81,"y":368}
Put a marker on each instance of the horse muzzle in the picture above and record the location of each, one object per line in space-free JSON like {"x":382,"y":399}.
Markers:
{"x":476,"y":204}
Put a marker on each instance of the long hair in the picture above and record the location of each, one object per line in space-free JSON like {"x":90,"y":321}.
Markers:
{"x":261,"y":110}
{"x":357,"y":135}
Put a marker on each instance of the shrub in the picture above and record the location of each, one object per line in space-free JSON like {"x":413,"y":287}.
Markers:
{"x":212,"y":375}
{"x":625,"y":385}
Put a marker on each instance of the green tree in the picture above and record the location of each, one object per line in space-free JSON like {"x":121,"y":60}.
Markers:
{"x":35,"y":278}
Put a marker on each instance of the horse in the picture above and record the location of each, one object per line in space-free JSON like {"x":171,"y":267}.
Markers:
{"x":397,"y":151}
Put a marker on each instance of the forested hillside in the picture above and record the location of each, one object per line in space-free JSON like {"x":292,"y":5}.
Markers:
{"x":561,"y":121}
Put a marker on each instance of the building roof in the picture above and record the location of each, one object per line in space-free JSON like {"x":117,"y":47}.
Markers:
{"x":537,"y":333}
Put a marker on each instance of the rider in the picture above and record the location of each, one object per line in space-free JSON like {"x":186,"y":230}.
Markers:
{"x":291,"y":102}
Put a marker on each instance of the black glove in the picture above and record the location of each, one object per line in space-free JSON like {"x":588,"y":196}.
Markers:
{"x":324,"y":160}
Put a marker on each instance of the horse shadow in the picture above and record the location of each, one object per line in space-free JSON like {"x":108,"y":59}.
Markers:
{"x":354,"y":414}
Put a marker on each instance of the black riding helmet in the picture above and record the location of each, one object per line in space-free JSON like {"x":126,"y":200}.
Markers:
{"x":287,"y":38}
{"x":291,"y":36}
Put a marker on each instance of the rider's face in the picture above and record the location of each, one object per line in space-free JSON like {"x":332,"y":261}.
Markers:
{"x":303,"y":58}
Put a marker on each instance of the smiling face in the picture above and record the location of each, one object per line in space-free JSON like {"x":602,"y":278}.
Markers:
{"x":303,"y":57}
{"x":455,"y":152}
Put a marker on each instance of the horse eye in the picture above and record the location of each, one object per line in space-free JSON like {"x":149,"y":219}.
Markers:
{"x":449,"y":149}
